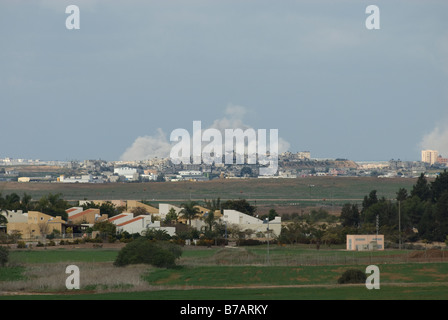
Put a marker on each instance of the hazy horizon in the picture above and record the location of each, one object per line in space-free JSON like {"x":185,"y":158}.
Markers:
{"x":136,"y":70}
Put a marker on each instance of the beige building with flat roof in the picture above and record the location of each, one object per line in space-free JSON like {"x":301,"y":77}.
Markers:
{"x":361,"y":242}
{"x":430,"y":156}
{"x":33,"y":224}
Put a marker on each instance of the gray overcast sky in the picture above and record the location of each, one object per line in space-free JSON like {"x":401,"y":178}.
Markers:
{"x":140,"y":69}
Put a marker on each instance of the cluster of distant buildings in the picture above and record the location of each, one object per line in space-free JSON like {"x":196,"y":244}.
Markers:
{"x":290,"y":165}
{"x":433,"y":157}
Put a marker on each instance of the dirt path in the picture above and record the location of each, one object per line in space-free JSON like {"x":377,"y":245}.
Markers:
{"x":159,"y":288}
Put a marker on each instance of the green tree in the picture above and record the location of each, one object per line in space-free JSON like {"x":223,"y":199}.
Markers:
{"x":426,"y":226}
{"x":441,"y":217}
{"x":209,"y":219}
{"x":106,"y":207}
{"x":422,"y":188}
{"x":189,"y":210}
{"x":350,"y":215}
{"x":171,"y":216}
{"x":413,"y":208}
{"x":156,"y":234}
{"x":272,"y":214}
{"x":26,"y":203}
{"x":387,"y":212}
{"x":12,"y":201}
{"x":241,"y":205}
{"x":3,"y":219}
{"x":138,"y":211}
{"x":106,"y":227}
{"x":53,"y":205}
{"x":402,"y":194}
{"x":439,"y":186}
{"x":4,"y":256}
{"x":369,"y":200}
{"x":319,"y":215}
{"x":352,"y":276}
{"x":317,"y":233}
{"x":160,"y":254}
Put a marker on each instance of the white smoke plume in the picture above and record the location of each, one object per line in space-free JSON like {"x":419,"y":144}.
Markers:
{"x":437,"y":139}
{"x":148,"y":147}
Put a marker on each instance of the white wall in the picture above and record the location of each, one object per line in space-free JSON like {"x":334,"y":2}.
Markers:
{"x":245,"y":222}
{"x":15,"y":216}
{"x":164,"y":208}
{"x":142,"y":224}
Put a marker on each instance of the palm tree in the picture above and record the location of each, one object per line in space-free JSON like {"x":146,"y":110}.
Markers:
{"x":3,"y":219}
{"x":209,"y":218}
{"x":189,"y":210}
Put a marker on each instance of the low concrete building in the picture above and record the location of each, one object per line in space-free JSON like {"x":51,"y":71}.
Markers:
{"x":88,"y":178}
{"x":130,"y":174}
{"x":362,"y":242}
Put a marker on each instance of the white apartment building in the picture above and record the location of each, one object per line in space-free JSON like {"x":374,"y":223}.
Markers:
{"x":129,"y":173}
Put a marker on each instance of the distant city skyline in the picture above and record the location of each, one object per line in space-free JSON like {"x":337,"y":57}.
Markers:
{"x":137,"y":70}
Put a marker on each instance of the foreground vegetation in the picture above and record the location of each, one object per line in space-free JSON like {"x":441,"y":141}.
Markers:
{"x":288,"y":267}
{"x":224,"y":273}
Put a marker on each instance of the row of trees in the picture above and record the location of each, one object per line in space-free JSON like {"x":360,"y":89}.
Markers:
{"x":421,"y":214}
{"x":51,"y":204}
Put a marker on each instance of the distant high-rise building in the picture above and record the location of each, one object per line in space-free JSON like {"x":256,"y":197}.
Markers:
{"x":430,"y":156}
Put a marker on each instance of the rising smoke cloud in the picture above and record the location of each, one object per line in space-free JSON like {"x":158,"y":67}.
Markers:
{"x":437,"y":139}
{"x":158,"y":145}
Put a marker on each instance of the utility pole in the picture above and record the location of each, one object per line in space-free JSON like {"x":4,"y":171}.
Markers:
{"x":399,"y":224}
{"x":267,"y":220}
{"x":377,"y":225}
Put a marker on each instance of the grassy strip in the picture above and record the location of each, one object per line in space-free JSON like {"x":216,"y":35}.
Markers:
{"x":12,"y":274}
{"x":231,"y":276}
{"x":342,"y":292}
{"x":62,"y":255}
{"x":329,"y":188}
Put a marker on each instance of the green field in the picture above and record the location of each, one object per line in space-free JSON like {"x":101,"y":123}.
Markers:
{"x":232,"y":274}
{"x":261,"y":191}
{"x":246,"y":276}
{"x":298,"y":272}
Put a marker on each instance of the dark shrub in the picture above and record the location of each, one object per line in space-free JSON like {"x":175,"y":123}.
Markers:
{"x":157,"y":253}
{"x":21,"y":244}
{"x":4,"y":253}
{"x":352,"y":276}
